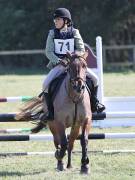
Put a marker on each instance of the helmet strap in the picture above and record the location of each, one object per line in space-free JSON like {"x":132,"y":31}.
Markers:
{"x":63,"y":24}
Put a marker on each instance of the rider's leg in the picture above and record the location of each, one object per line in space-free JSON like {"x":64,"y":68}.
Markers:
{"x":99,"y":107}
{"x":54,"y":73}
{"x":95,"y":102}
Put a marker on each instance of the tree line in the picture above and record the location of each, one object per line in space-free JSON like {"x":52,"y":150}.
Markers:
{"x":25,"y":24}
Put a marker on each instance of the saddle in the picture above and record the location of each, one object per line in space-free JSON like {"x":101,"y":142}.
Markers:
{"x":55,"y":86}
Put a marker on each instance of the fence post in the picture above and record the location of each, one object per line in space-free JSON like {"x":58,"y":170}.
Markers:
{"x":100,"y":67}
{"x":104,"y":56}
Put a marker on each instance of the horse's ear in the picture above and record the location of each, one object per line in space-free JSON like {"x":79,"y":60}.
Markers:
{"x":69,"y":55}
{"x":85,"y":54}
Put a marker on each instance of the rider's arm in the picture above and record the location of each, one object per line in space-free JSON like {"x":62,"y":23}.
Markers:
{"x":79,"y":44}
{"x":49,"y":50}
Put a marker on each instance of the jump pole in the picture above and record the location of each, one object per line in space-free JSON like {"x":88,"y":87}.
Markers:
{"x":125,"y":122}
{"x":15,"y":99}
{"x":10,"y":117}
{"x":11,"y":154}
{"x":17,"y":130}
{"x":49,"y":137}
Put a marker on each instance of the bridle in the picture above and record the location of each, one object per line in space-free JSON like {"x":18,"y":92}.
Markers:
{"x":73,"y":80}
{"x":77,"y":83}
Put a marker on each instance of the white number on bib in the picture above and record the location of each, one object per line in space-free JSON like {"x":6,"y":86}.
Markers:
{"x":64,"y":45}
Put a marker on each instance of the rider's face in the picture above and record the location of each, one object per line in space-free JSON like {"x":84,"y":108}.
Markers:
{"x":59,"y":22}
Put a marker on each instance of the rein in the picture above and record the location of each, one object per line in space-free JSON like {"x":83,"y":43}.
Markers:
{"x":75,"y":117}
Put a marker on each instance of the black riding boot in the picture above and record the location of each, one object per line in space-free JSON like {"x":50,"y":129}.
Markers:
{"x":50,"y":114}
{"x":96,"y":105}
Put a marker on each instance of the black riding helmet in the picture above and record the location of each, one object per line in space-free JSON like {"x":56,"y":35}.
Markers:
{"x":63,"y":13}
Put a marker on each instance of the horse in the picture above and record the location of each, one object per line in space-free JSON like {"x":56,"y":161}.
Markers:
{"x":72,"y":108}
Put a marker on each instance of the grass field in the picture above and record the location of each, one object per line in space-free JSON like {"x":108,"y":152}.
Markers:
{"x":109,"y":167}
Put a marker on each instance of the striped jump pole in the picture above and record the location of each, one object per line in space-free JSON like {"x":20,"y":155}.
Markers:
{"x":49,"y":137}
{"x":102,"y":120}
{"x":10,"y":117}
{"x":26,"y":153}
{"x":5,"y":154}
{"x":15,"y":99}
{"x":18,"y":130}
{"x":96,"y":124}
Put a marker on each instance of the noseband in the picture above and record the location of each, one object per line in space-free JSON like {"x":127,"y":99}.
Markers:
{"x":77,"y":79}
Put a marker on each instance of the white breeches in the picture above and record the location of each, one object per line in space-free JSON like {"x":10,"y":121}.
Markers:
{"x":54,"y":73}
{"x":57,"y":70}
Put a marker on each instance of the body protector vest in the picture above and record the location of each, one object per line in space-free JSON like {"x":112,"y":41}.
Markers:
{"x":63,"y":42}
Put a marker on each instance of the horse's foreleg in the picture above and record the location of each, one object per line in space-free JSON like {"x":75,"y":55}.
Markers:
{"x":84,"y":144}
{"x":60,"y":141}
{"x":60,"y":152}
{"x":73,"y":135}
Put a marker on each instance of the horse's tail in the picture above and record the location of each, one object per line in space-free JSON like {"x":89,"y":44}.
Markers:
{"x":31,"y":107}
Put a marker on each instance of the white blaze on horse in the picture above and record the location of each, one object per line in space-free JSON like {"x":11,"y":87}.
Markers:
{"x":72,"y":108}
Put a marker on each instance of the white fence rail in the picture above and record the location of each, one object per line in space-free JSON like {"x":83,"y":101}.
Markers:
{"x":130,"y":60}
{"x":22,"y":52}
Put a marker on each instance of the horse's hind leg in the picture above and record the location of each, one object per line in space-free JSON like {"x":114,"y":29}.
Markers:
{"x":73,"y":135}
{"x":84,"y":144}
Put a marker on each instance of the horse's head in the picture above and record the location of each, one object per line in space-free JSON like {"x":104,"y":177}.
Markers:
{"x":77,"y":72}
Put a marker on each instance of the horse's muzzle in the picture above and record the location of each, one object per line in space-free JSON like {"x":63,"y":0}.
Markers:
{"x":79,"y":88}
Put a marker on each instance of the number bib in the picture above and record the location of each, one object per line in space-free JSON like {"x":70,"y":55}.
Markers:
{"x":64,"y":45}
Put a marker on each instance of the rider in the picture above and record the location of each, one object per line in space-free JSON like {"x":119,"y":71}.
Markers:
{"x":64,"y":37}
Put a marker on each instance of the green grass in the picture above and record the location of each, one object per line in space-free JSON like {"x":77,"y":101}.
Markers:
{"x":109,"y":167}
{"x":119,"y":84}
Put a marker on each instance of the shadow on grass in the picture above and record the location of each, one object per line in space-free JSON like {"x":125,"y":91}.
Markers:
{"x":17,"y":173}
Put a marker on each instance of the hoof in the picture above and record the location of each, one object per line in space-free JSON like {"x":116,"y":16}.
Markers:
{"x":60,"y":166}
{"x":85,"y":169}
{"x":69,"y":166}
{"x":34,"y":130}
{"x":37,"y":128}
